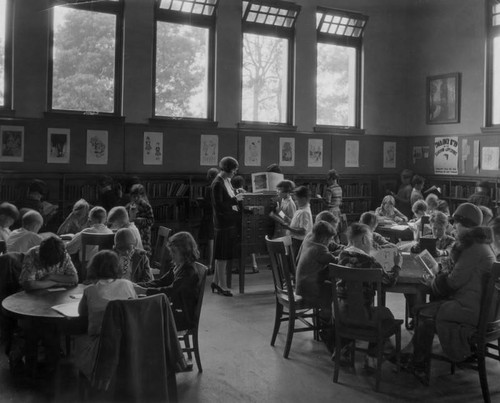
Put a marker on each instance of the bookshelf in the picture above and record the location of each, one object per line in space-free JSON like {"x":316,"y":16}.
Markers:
{"x":457,"y":190}
{"x":357,"y":193}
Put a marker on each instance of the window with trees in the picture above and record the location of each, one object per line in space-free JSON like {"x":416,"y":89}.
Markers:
{"x":338,"y":78}
{"x":184,"y":83}
{"x":267,"y":65}
{"x":86,"y":42}
{"x":493,"y":77}
{"x":5,"y":53}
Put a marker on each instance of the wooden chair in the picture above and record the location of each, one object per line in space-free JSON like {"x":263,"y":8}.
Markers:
{"x":354,"y":322}
{"x":161,"y":252}
{"x":102,"y":241}
{"x":487,"y":334}
{"x":193,"y":332}
{"x":289,"y":306}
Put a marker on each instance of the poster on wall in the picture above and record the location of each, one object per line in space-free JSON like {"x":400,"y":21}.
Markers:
{"x":58,"y":146}
{"x":352,"y":154}
{"x":209,"y":149}
{"x":287,"y":152}
{"x":315,"y":153}
{"x":152,"y":148}
{"x":97,"y":147}
{"x":12,"y":138}
{"x":389,"y":154}
{"x":446,"y":156}
{"x":489,"y":158}
{"x":253,"y":148}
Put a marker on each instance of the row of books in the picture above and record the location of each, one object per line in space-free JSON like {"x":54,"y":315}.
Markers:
{"x":348,"y":190}
{"x":169,"y":212}
{"x":11,"y":193}
{"x":355,"y":206}
{"x":167,"y":189}
{"x":87,"y":192}
{"x":465,"y":191}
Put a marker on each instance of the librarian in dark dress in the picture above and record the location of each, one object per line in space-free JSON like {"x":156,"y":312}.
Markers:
{"x":226,"y":217}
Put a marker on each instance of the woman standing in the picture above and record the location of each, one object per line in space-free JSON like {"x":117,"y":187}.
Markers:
{"x":226,"y":217}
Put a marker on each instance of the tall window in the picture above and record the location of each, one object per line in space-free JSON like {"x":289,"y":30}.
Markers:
{"x":268,"y":32}
{"x":184,"y":86}
{"x":338,"y":67}
{"x":5,"y":54}
{"x":86,"y":57}
{"x":493,"y":80}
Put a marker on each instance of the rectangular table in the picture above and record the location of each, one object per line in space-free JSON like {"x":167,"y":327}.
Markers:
{"x":396,"y":233}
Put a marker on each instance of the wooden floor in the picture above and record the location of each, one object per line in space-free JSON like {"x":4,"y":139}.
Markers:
{"x":241,"y":366}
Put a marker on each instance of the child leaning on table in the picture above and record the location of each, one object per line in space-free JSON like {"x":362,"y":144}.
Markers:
{"x":369,"y":218}
{"x":105,"y":273}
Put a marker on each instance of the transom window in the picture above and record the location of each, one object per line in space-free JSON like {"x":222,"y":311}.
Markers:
{"x":5,"y":54}
{"x":184,"y":84}
{"x":493,"y":77}
{"x":268,"y":33}
{"x":338,"y":78}
{"x":86,"y":61}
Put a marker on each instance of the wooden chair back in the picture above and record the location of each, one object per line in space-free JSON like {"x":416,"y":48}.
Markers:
{"x":282,"y":266}
{"x":161,"y":250}
{"x":102,"y":241}
{"x":350,"y":309}
{"x":489,"y":317}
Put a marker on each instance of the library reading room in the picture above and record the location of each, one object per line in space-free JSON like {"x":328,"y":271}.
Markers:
{"x":249,"y":201}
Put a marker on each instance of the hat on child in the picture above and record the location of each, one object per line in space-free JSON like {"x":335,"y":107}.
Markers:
{"x":468,"y":214}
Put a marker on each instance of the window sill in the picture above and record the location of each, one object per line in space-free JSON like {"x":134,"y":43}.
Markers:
{"x":278,"y":127}
{"x":184,"y":123}
{"x":338,"y":130}
{"x":7,"y":113}
{"x":491,"y":129}
{"x":85,"y":117}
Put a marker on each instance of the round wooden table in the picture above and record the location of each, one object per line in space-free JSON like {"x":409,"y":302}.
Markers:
{"x":38,"y":304}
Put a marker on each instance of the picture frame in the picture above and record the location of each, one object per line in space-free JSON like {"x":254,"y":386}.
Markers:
{"x":12,"y":143}
{"x":152,"y":148}
{"x":58,"y":146}
{"x":97,"y":147}
{"x":443,"y":99}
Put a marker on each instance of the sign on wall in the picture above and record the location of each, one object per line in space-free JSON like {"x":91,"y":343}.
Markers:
{"x":446,"y":156}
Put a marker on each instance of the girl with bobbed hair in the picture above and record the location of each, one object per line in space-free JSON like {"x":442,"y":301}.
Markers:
{"x":226,"y":217}
{"x":181,"y":284}
{"x":104,"y":272}
{"x":388,"y":210}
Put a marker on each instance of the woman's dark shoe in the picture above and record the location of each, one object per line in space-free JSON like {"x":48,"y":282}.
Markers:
{"x":225,"y":293}
{"x":214,"y":287}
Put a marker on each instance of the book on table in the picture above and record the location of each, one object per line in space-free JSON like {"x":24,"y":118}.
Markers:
{"x":69,"y":309}
{"x":385,"y":256}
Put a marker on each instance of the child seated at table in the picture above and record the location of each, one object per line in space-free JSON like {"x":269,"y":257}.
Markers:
{"x":387,"y":211}
{"x":8,"y":215}
{"x":357,"y":255}
{"x":133,"y":262}
{"x":432,"y":203}
{"x":105,"y":273}
{"x":444,"y":242}
{"x":77,"y":220}
{"x":419,"y":209}
{"x":285,"y":204}
{"x":302,"y":221}
{"x":26,"y":237}
{"x":369,"y":218}
{"x":97,"y":219}
{"x":118,"y":218}
{"x":334,"y":245}
{"x":181,"y":284}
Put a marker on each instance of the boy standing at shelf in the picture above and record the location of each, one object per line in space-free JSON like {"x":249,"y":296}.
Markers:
{"x":333,"y":194}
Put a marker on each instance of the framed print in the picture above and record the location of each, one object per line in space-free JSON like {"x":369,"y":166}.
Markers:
{"x":352,"y":154}
{"x":58,"y":146}
{"x":253,"y":149}
{"x":209,"y":149}
{"x":12,"y":138}
{"x":315,"y":153}
{"x":389,"y":154}
{"x":97,"y":147}
{"x":287,"y":152}
{"x":443,"y":98}
{"x":152,"y":148}
{"x":489,"y":158}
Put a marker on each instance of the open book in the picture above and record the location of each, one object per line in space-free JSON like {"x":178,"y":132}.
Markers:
{"x":69,"y":309}
{"x":385,"y":256}
{"x":428,"y":263}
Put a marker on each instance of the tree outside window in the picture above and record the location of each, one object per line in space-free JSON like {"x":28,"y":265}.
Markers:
{"x":3,"y":33}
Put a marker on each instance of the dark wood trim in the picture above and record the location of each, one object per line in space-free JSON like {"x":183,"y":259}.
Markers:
{"x":7,"y":112}
{"x":493,"y":129}
{"x":338,"y":129}
{"x":183,"y":122}
{"x":267,"y":127}
{"x":81,"y":116}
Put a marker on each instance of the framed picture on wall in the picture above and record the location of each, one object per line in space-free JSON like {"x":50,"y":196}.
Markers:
{"x":12,"y":138}
{"x":287,"y":152}
{"x":58,"y":146}
{"x":97,"y":147}
{"x":443,"y":98}
{"x":152,"y":150}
